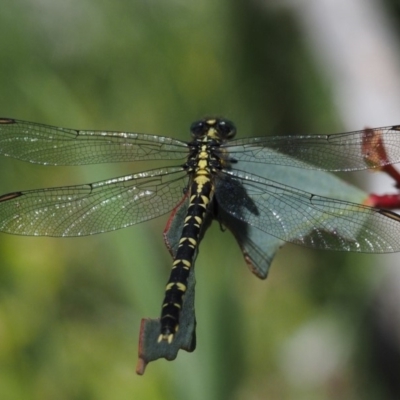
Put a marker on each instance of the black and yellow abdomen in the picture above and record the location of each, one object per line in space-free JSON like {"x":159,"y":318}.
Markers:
{"x":200,"y":197}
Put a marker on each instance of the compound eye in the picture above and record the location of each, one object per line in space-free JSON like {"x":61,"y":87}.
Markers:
{"x":197,"y":128}
{"x":226,"y":128}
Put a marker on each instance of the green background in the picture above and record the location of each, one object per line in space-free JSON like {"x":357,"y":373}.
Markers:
{"x":70,"y":308}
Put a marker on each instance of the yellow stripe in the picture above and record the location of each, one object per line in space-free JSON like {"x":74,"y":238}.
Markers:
{"x":205,"y":199}
{"x":181,"y":287}
{"x":192,"y":241}
{"x":187,"y":263}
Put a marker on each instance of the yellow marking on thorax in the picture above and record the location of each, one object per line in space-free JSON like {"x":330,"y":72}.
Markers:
{"x":201,"y":180}
{"x":202,"y":164}
{"x":203,"y":153}
{"x":212,"y":133}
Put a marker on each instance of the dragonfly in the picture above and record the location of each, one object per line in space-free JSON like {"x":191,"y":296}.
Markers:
{"x":212,"y":180}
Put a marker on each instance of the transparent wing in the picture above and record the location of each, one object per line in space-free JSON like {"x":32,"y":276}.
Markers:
{"x":303,"y":218}
{"x":92,"y":208}
{"x":45,"y":144}
{"x":368,"y":148}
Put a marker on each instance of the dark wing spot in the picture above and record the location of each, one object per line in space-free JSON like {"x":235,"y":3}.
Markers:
{"x":390,"y":214}
{"x":10,"y":196}
{"x":7,"y":121}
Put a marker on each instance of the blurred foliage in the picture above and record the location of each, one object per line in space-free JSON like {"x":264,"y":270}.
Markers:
{"x":70,"y":308}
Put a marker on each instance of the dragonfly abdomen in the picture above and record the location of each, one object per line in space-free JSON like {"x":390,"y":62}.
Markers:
{"x":201,"y":193}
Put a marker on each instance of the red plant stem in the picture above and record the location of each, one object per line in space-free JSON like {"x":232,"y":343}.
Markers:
{"x":388,"y":201}
{"x":393,"y":173}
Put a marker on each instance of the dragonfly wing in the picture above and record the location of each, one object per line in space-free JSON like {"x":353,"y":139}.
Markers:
{"x":93,"y":208}
{"x":368,"y":148}
{"x":45,"y":144}
{"x":258,"y":247}
{"x":300,"y":217}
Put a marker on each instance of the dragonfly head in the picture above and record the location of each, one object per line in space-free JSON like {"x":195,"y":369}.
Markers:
{"x":214,"y":128}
